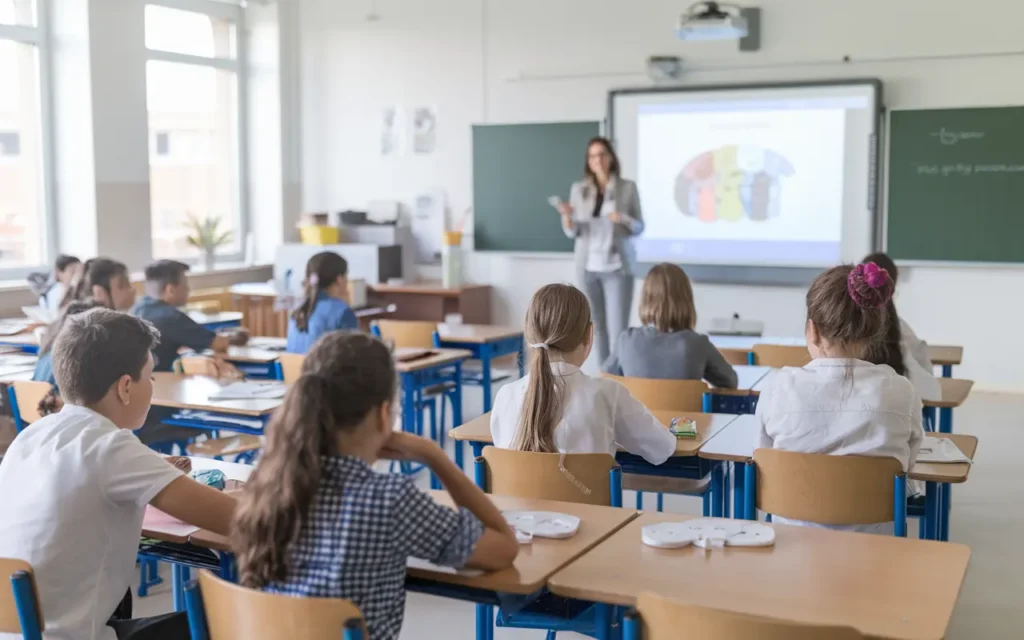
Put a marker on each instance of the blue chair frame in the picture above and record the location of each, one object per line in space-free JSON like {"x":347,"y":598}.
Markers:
{"x":26,"y":602}
{"x":197,"y":617}
{"x":12,"y":399}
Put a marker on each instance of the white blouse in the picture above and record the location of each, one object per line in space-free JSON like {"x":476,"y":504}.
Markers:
{"x":842,"y":407}
{"x":918,"y":363}
{"x":599,"y":415}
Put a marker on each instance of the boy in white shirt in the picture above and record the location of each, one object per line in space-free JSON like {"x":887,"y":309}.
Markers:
{"x":558,"y":408}
{"x":76,"y":484}
{"x":839,"y":404}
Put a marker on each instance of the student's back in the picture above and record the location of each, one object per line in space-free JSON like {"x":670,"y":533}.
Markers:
{"x":557,"y":407}
{"x":840,"y":404}
{"x":323,"y":307}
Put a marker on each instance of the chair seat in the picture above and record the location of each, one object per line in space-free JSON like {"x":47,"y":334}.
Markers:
{"x":227,"y":446}
{"x":661,"y":484}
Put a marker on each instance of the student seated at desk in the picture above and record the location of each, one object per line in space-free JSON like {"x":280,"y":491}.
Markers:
{"x":839,"y":404}
{"x":104,"y":280}
{"x":77,"y":483}
{"x":64,"y":271}
{"x":557,"y":407}
{"x":324,"y":307}
{"x":667,"y":347}
{"x":901,"y":349}
{"x":316,"y":520}
{"x":44,"y":365}
{"x":167,"y":289}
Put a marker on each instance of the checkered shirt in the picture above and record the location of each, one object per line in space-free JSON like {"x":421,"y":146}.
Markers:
{"x":362,"y":528}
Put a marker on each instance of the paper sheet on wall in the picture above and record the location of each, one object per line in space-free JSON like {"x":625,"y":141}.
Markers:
{"x":391,"y":123}
{"x":424,"y":130}
{"x":428,"y":223}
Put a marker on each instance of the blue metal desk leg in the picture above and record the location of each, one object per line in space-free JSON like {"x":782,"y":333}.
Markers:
{"x":946,"y":420}
{"x":480,"y":469}
{"x":716,"y":490}
{"x":739,"y":510}
{"x":928,"y":414}
{"x":947,"y":371}
{"x":408,"y":409}
{"x":931,"y":510}
{"x":179,"y":576}
{"x":485,"y":376}
{"x":456,"y":398}
{"x":603,"y":621}
{"x":944,"y":506}
{"x":484,"y":622}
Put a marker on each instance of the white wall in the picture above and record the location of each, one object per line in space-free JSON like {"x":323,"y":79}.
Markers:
{"x":532,"y":60}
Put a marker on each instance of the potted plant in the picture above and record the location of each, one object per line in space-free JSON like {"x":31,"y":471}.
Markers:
{"x":206,"y":236}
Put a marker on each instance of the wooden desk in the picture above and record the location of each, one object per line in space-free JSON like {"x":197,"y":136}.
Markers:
{"x":887,"y":587}
{"x":193,"y":392}
{"x":430,"y":301}
{"x":478,"y":430}
{"x":436,"y":358}
{"x":268,"y":343}
{"x":487,"y":343}
{"x":954,"y":393}
{"x":219,"y":320}
{"x":26,"y":342}
{"x":249,"y":354}
{"x":749,"y":376}
{"x":476,"y":333}
{"x":16,"y":376}
{"x":945,"y":355}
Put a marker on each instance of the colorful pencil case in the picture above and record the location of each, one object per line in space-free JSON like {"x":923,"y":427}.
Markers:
{"x":683,"y":428}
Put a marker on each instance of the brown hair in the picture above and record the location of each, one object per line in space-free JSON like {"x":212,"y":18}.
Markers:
{"x":556,"y":323}
{"x":73,"y":309}
{"x":613,"y":167}
{"x":322,"y":270}
{"x":667,"y":299}
{"x":848,"y":308}
{"x":162,"y":274}
{"x":884,"y":261}
{"x":95,"y":348}
{"x":344,"y":377}
{"x":96,"y":272}
{"x":890,"y":350}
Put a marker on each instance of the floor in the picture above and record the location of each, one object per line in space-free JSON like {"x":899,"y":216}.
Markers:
{"x":983,"y":518}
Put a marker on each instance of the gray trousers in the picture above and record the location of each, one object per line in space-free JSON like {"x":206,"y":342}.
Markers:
{"x":611,"y":296}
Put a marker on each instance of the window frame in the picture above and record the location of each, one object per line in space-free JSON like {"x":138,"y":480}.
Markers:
{"x":40,"y":37}
{"x":234,"y":13}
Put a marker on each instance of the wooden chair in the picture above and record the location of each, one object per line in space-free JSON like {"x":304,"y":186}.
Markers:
{"x":829,"y":490}
{"x":736,"y":356}
{"x":25,"y":396}
{"x":404,"y":334}
{"x":219,"y":610}
{"x":663,"y":618}
{"x":20,"y":612}
{"x":289,"y":366}
{"x":777,"y":355}
{"x":665,"y":395}
{"x":588,"y":478}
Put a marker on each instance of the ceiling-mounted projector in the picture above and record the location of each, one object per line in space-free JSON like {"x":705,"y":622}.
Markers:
{"x":712,"y":21}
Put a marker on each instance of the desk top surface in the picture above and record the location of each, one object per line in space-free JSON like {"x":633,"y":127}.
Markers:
{"x":427,"y":287}
{"x":436,"y":358}
{"x":708,"y":424}
{"x":476,"y":333}
{"x":954,"y":390}
{"x":938,"y":354}
{"x":811,"y":575}
{"x":215,"y":318}
{"x":193,"y":392}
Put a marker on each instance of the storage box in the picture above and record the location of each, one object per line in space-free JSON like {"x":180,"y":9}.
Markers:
{"x":319,"y":234}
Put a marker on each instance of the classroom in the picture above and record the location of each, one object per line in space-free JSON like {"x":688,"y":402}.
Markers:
{"x":482,"y":319}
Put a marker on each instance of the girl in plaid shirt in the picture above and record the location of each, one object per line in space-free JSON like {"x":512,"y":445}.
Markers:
{"x":316,"y":520}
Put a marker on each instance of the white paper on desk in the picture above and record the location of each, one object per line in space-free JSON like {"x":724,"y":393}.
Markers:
{"x":942,"y":451}
{"x":416,"y":563}
{"x":250,"y":391}
{"x":156,"y":519}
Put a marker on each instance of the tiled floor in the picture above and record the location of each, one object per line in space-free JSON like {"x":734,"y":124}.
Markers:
{"x":988,"y":515}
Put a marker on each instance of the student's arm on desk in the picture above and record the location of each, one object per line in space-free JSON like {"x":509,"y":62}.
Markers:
{"x":764,"y":441}
{"x":197,"y":504}
{"x":637,"y":430}
{"x":916,"y":430}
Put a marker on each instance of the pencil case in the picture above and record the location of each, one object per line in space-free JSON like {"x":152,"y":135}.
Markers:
{"x":683,"y":428}
{"x":211,"y":478}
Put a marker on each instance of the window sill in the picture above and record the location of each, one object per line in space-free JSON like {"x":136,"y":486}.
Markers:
{"x":223,"y":269}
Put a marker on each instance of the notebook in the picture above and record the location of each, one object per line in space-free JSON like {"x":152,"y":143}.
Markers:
{"x":251,"y":391}
{"x":941,"y":450}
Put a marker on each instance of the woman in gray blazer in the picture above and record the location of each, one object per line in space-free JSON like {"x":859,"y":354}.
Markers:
{"x":602,"y":215}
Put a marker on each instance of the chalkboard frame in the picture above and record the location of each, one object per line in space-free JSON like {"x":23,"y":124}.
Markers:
{"x":776,"y":276}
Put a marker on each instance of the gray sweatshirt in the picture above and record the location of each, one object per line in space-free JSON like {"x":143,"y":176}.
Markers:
{"x":644,"y":352}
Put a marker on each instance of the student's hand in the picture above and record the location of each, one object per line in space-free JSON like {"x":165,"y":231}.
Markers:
{"x":404,"y":447}
{"x":565,"y":209}
{"x":616,"y":217}
{"x":181,"y":463}
{"x":239,"y":337}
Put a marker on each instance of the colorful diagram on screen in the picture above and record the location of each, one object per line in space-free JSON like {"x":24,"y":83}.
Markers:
{"x":731,"y":183}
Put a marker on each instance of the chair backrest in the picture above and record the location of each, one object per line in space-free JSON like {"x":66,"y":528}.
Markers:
{"x":570,"y":477}
{"x":778,"y":355}
{"x":10,"y":620}
{"x":665,"y":395}
{"x":237,"y":612}
{"x":291,"y":366}
{"x":735,"y":356}
{"x":28,"y":394}
{"x":663,"y":618}
{"x":418,"y":334}
{"x":835,"y":490}
{"x":205,"y":366}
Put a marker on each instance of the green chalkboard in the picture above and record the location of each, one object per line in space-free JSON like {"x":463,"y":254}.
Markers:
{"x":516,"y":168}
{"x":956,"y":185}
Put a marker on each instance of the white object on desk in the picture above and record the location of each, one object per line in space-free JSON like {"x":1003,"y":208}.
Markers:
{"x":543,"y":524}
{"x":250,"y":391}
{"x":231,"y":470}
{"x":735,"y":327}
{"x":750,"y":376}
{"x":416,"y":563}
{"x":941,"y":450}
{"x":707,"y":533}
{"x":157,"y":519}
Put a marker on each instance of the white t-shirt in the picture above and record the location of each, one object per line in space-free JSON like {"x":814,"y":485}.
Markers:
{"x":842,"y":407}
{"x":599,"y":415}
{"x":918,"y":362}
{"x":75,"y":489}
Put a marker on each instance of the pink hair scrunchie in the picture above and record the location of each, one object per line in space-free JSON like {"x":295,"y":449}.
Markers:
{"x":869,"y":285}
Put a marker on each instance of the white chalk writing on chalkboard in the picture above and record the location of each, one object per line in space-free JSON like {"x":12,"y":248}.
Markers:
{"x":950,"y":138}
{"x":964,"y":169}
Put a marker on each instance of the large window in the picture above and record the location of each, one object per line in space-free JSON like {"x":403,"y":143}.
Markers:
{"x":195,"y":124}
{"x":23,"y":210}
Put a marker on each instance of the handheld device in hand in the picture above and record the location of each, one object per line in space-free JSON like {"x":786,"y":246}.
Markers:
{"x":555,"y":201}
{"x":683,"y":428}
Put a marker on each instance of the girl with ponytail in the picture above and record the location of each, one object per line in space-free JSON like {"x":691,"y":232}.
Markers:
{"x":324,"y":305}
{"x":103,"y":280}
{"x":315,"y":519}
{"x":841,"y":403}
{"x":558,"y":408}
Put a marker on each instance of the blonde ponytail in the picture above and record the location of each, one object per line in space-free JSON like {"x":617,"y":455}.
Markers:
{"x":557,"y":323}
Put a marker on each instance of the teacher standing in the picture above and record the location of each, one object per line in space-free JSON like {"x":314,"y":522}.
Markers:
{"x":602,"y":215}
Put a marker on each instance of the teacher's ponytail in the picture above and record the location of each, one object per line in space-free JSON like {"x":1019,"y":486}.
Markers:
{"x":557,"y":323}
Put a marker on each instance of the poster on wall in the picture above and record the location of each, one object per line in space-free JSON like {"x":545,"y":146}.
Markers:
{"x":428,"y":220}
{"x":424,"y":130}
{"x":391,"y":131}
